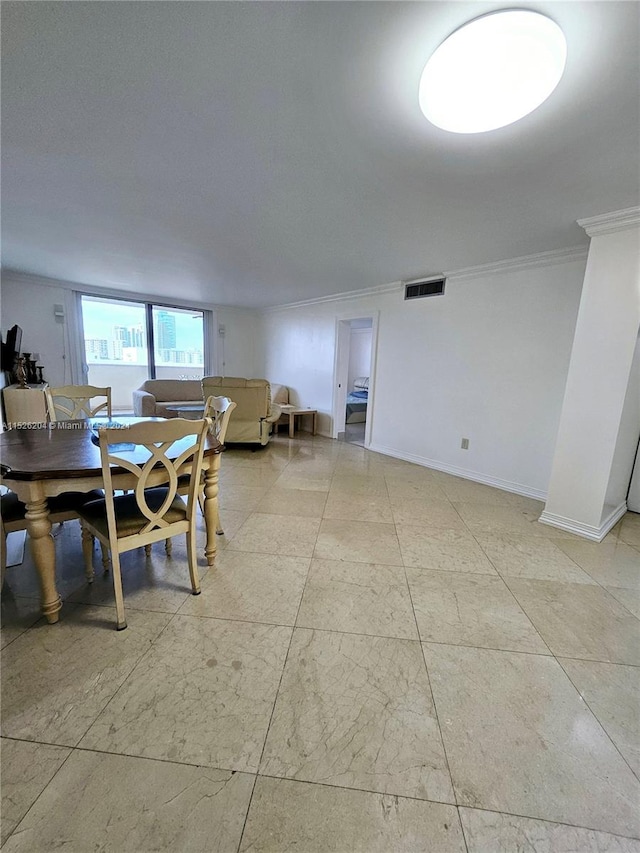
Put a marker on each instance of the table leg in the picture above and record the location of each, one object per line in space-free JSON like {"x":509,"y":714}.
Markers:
{"x":292,"y":424}
{"x":314,"y":427}
{"x":44,"y":556}
{"x":211,"y":508}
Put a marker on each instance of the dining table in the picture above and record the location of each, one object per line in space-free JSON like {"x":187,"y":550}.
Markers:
{"x":40,"y":461}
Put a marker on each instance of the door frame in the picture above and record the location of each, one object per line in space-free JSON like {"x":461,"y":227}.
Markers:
{"x":341,"y":370}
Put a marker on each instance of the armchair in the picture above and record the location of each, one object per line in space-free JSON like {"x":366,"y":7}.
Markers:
{"x":254,"y":413}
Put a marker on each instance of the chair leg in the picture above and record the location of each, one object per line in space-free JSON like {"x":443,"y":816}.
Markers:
{"x":193,"y":562}
{"x":105,"y":558}
{"x":168,"y":546}
{"x":117,"y":589}
{"x":87,"y":552}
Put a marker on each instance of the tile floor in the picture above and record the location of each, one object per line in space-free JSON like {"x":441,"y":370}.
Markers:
{"x":384,"y":658}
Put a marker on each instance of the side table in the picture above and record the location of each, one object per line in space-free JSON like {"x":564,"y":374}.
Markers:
{"x":294,"y":413}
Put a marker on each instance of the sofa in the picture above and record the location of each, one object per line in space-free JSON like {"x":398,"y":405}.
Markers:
{"x":252,"y":419}
{"x":154,"y":395}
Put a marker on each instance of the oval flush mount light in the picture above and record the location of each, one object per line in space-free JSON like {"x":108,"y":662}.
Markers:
{"x":493,"y":71}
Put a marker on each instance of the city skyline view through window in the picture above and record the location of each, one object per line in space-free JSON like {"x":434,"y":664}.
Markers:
{"x":116,"y":345}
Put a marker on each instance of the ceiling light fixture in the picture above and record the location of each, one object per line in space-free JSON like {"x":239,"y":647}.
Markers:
{"x":493,"y":71}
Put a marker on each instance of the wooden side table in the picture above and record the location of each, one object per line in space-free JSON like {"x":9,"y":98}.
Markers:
{"x":294,"y":413}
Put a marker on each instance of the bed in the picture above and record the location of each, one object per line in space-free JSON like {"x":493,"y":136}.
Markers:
{"x":357,"y":401}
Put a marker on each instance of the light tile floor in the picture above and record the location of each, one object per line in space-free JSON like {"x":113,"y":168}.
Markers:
{"x":384,"y":658}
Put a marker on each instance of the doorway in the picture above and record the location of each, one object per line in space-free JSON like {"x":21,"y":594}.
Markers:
{"x":353,"y":385}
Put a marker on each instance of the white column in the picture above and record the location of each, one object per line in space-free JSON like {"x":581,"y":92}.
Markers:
{"x":598,"y":380}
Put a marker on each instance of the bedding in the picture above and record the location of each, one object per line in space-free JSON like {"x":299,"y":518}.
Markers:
{"x":356,"y":406}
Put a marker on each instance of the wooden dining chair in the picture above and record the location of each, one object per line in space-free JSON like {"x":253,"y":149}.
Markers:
{"x":71,"y":402}
{"x":218,"y":410}
{"x":63,"y":507}
{"x":149,"y":513}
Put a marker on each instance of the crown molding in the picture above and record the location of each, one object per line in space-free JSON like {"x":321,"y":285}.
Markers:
{"x":608,"y":223}
{"x":540,"y":259}
{"x":378,"y":290}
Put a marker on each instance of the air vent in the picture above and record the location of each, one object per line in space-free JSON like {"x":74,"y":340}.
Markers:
{"x":419,"y":289}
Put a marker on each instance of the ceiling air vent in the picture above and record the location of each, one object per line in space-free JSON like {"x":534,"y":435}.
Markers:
{"x":419,"y":289}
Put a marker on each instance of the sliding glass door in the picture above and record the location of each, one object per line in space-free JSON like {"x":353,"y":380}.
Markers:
{"x":127,"y":342}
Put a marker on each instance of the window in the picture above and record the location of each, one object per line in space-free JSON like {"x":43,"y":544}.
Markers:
{"x":127,"y":342}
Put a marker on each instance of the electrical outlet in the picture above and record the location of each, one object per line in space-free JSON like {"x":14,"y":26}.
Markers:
{"x":464,"y":444}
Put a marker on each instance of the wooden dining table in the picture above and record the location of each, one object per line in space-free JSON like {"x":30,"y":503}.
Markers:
{"x":43,"y":460}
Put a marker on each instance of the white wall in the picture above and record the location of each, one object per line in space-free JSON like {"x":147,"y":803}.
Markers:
{"x":238,"y":347}
{"x":487,"y":361}
{"x":28,"y":301}
{"x":30,"y":305}
{"x":359,"y":355}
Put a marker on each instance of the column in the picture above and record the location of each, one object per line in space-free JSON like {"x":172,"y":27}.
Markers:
{"x":593,"y":418}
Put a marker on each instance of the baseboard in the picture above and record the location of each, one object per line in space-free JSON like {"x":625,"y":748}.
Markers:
{"x":465,"y":473}
{"x":587,"y":531}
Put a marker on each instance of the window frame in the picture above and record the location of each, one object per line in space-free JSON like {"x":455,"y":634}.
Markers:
{"x":79,"y":366}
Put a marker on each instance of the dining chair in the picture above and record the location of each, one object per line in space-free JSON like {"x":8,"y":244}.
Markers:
{"x":71,"y":402}
{"x":218,"y":410}
{"x":63,"y":507}
{"x":150,"y":513}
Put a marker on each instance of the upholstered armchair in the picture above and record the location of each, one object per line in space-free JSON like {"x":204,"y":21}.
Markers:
{"x":254,"y":414}
{"x":154,"y":395}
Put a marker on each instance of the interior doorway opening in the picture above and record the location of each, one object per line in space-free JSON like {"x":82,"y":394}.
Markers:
{"x":355,"y":346}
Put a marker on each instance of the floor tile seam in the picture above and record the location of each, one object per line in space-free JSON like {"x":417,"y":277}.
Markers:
{"x":37,"y":741}
{"x":462,"y":829}
{"x":273,"y":709}
{"x":548,"y":820}
{"x":595,"y":580}
{"x":588,"y":660}
{"x":23,"y":631}
{"x":227,"y":619}
{"x":609,"y":595}
{"x":130,"y":607}
{"x":599,"y":721}
{"x":171,"y":761}
{"x":552,"y":655}
{"x":513,"y":595}
{"x":145,"y":653}
{"x":358,"y":634}
{"x":26,"y":814}
{"x":335,"y":787}
{"x":431,"y":693}
{"x":622,"y":602}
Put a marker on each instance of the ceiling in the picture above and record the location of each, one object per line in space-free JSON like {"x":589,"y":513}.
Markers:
{"x":256,"y":154}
